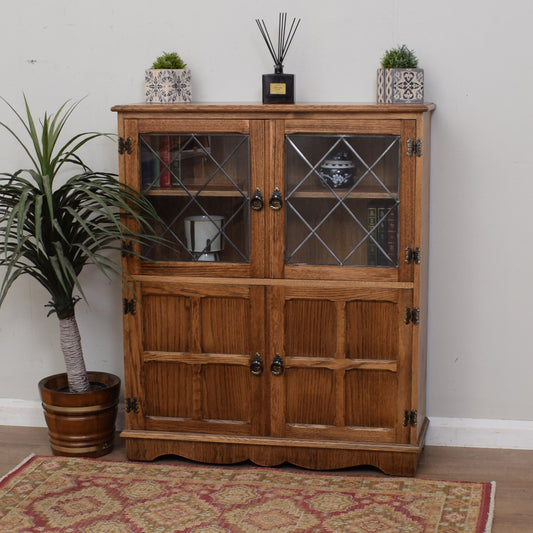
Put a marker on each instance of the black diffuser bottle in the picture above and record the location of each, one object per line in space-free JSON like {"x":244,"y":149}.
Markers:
{"x":278,"y":88}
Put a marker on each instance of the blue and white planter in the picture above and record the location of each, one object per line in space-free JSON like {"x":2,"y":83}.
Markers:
{"x":168,"y":86}
{"x":400,"y":86}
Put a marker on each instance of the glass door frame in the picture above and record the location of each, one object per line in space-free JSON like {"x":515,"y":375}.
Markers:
{"x":133,"y":128}
{"x":405,"y":129}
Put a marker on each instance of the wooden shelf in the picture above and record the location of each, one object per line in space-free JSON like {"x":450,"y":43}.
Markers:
{"x":178,"y":191}
{"x":318,"y":193}
{"x":343,"y":194}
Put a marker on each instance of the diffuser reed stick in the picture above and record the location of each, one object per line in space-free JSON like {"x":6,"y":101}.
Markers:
{"x":284,"y":39}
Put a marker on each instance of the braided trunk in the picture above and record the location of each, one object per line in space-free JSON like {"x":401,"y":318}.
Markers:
{"x":70,"y":339}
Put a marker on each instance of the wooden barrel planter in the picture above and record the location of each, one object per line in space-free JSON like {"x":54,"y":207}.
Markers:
{"x":81,"y":424}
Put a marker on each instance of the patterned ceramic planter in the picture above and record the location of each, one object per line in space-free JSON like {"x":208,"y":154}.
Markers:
{"x":168,"y":86}
{"x":400,"y":86}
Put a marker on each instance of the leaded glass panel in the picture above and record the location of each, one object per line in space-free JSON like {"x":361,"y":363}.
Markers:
{"x":200,"y":187}
{"x":342,"y":198}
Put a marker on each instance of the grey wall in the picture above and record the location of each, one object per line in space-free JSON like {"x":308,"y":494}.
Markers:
{"x":479,"y":72}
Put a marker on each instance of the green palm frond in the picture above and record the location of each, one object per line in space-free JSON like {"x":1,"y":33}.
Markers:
{"x":51,"y":232}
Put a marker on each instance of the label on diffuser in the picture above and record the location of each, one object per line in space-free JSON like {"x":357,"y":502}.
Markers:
{"x":278,"y":88}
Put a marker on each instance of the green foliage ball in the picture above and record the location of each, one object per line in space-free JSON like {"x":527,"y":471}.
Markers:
{"x":169,"y":60}
{"x":400,"y":57}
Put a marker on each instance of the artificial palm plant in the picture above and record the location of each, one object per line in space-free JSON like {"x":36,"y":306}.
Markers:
{"x":59,"y":216}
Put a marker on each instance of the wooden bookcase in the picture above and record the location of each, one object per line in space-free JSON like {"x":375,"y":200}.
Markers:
{"x":290,"y":323}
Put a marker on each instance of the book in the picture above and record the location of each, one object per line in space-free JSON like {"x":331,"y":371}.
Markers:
{"x":164,"y":157}
{"x":372,"y":249}
{"x":382,"y":225}
{"x":147,"y":168}
{"x":382,"y":259}
{"x":392,"y":236}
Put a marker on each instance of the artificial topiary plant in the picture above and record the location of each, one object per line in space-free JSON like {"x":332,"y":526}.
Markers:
{"x":169,"y":60}
{"x":399,"y":57}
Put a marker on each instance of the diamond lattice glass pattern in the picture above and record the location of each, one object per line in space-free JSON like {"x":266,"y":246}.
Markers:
{"x":200,"y":186}
{"x":342,"y":197}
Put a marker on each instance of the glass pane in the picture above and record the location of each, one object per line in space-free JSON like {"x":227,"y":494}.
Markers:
{"x":342,"y":199}
{"x":199,"y":185}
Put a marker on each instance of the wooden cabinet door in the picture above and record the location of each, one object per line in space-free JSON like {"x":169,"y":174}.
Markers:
{"x":188,"y":353}
{"x":346,"y":356}
{"x":348,"y":199}
{"x":201,"y":175}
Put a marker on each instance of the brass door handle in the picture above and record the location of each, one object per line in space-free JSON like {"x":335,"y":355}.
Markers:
{"x":256,"y":366}
{"x":276,"y":201}
{"x":277,"y":365}
{"x":256,"y":203}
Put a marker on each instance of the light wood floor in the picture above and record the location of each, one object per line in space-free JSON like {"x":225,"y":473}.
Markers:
{"x":511,"y":469}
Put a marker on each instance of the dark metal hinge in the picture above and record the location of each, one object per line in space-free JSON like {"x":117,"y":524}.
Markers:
{"x":125,"y":145}
{"x":132,"y":404}
{"x":413,"y":254}
{"x":412,"y":315}
{"x":130,"y":306}
{"x":127,"y":248}
{"x":410,"y":418}
{"x":414,"y":147}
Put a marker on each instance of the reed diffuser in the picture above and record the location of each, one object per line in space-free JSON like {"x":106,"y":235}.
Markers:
{"x":278,"y":88}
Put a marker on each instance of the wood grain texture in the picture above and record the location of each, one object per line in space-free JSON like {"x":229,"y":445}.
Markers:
{"x":272,"y":111}
{"x":340,"y":366}
{"x":312,"y":453}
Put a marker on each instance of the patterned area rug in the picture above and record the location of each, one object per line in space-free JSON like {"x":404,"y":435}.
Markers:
{"x":61,"y":494}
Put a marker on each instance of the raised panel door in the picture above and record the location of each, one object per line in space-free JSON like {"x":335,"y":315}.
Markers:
{"x":346,"y":356}
{"x":193,"y":358}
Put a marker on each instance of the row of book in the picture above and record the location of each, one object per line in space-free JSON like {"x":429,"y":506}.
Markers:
{"x":155,"y":169}
{"x":164,"y":162}
{"x":382,"y":224}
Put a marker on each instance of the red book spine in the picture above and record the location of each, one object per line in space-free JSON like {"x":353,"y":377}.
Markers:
{"x":164,"y":156}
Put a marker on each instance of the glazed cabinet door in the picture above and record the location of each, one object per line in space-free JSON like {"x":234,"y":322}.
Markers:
{"x":201,"y":175}
{"x":344,"y":363}
{"x":294,"y":199}
{"x":348,"y":199}
{"x":193,"y":355}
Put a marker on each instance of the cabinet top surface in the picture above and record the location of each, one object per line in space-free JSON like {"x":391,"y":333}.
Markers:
{"x":276,"y":109}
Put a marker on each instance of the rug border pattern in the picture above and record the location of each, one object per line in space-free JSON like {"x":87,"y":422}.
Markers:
{"x":483,"y":523}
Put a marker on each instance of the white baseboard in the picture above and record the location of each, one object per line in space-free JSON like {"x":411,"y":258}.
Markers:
{"x":21,"y":413}
{"x":480,"y":433}
{"x":30,"y":413}
{"x":463,"y":432}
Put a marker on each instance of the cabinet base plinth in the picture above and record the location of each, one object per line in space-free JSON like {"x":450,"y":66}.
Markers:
{"x":394,"y":459}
